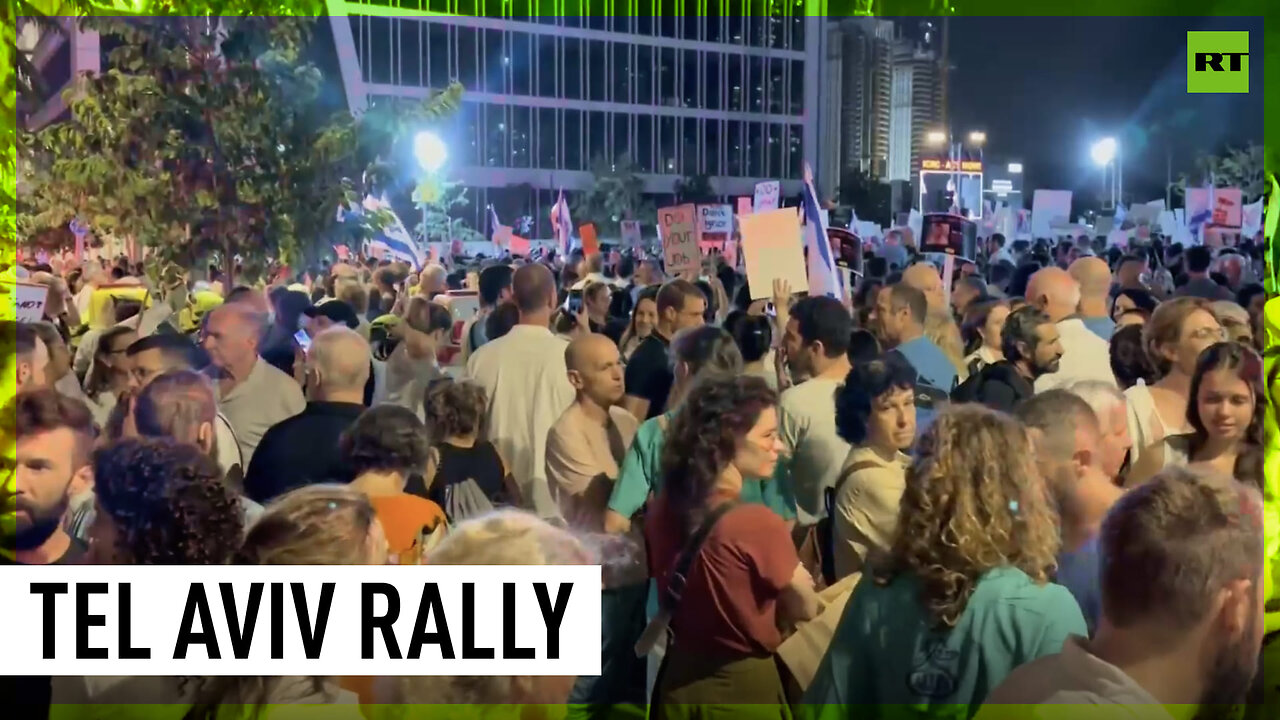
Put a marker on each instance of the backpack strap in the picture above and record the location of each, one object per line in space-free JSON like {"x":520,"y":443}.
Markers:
{"x":679,"y":574}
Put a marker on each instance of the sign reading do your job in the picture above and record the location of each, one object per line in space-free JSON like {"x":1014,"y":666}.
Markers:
{"x":302,"y":620}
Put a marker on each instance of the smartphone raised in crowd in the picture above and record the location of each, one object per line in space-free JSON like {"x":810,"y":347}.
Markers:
{"x":573,"y":303}
{"x":303,"y":339}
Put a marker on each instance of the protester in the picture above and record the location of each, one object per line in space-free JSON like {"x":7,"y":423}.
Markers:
{"x":495,"y":289}
{"x":644,"y":318}
{"x":109,"y":376}
{"x":1031,"y":348}
{"x":53,"y":438}
{"x":1199,"y":285}
{"x":1181,"y":621}
{"x":681,"y":305}
{"x":939,"y":325}
{"x":525,"y":378}
{"x":1139,"y":299}
{"x":1084,"y":354}
{"x":586,"y":445}
{"x":413,"y":364}
{"x":900,"y":315}
{"x":1129,"y":274}
{"x":1129,"y":361}
{"x":58,"y":373}
{"x":740,"y":569}
{"x":252,"y":394}
{"x":754,"y":336}
{"x":983,"y":323}
{"x":876,"y":416}
{"x":816,"y":345}
{"x":465,"y":475}
{"x":303,"y":449}
{"x":1066,"y":436}
{"x":964,"y":597}
{"x":1094,"y":278}
{"x":1178,"y":332}
{"x":383,"y":448}
{"x":1111,"y":409}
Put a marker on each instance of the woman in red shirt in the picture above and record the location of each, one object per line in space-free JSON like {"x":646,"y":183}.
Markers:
{"x":745,"y":573}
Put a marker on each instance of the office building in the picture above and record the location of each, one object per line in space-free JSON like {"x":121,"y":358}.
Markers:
{"x":713,"y":91}
{"x":857,"y":75}
{"x":58,"y":54}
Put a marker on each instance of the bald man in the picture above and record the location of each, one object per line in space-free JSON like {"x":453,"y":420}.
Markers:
{"x":303,"y":449}
{"x":925,"y":278}
{"x":252,"y":393}
{"x":525,"y":376}
{"x":1085,"y":356}
{"x":586,"y":445}
{"x":1094,"y":278}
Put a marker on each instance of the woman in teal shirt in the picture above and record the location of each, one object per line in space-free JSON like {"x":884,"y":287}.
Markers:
{"x":963,"y":597}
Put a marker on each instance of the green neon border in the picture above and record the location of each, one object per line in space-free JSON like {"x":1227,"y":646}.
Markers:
{"x":1270,"y":11}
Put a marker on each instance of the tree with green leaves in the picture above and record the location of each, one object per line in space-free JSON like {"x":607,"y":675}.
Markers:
{"x":208,"y":136}
{"x":616,"y":194}
{"x":1234,"y":167}
{"x":437,"y":201}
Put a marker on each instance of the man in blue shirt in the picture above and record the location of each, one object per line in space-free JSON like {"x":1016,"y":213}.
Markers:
{"x":900,"y":314}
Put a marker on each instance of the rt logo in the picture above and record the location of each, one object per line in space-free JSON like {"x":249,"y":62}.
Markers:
{"x":1218,"y":62}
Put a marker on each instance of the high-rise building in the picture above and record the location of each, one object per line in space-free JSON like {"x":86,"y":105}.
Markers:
{"x":916,"y":102}
{"x":858,"y":75}
{"x":59,"y":53}
{"x":713,"y":90}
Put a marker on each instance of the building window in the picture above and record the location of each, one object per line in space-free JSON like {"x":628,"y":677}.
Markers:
{"x":469,"y":128}
{"x":597,"y":70}
{"x":777,"y":88}
{"x":646,"y":10}
{"x":711,"y":147}
{"x":779,"y":27}
{"x":621,"y":71}
{"x":597,"y":146}
{"x":411,"y":53}
{"x":645,"y":55}
{"x":571,"y":139}
{"x":496,"y":129}
{"x":796,"y":88}
{"x":796,"y":157}
{"x":775,"y":148}
{"x":438,"y":75}
{"x":755,"y":150}
{"x":495,"y":71}
{"x":548,"y":157}
{"x":755,"y":84}
{"x":692,"y":21}
{"x":715,"y":21}
{"x":737,"y":12}
{"x":735,"y":81}
{"x":667,"y":23}
{"x":692,"y":74}
{"x":547,"y":68}
{"x":733,"y":149}
{"x":522,"y":63}
{"x":797,"y":31}
{"x":571,"y":82}
{"x":644,"y":143}
{"x":667,"y":145}
{"x":596,"y":17}
{"x":667,"y":77}
{"x":712,"y":85}
{"x":689,"y":160}
{"x":622,"y":18}
{"x":521,"y":137}
{"x":380,"y":48}
{"x":622,"y":135}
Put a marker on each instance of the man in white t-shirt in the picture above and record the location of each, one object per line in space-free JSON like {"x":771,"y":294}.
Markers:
{"x":1085,"y":356}
{"x":817,"y":345}
{"x":1182,"y":610}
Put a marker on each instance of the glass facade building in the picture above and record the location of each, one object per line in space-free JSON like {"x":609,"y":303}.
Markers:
{"x":714,"y":87}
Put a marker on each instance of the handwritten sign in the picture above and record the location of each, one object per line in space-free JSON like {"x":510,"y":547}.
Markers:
{"x":631,"y":233}
{"x":772,"y":250}
{"x":744,"y":206}
{"x":1228,"y":207}
{"x":715,"y":219}
{"x":679,"y":239}
{"x":767,"y":196}
{"x":590,"y":243}
{"x":28,"y":301}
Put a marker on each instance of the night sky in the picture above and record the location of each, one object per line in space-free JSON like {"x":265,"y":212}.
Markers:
{"x":1044,"y":88}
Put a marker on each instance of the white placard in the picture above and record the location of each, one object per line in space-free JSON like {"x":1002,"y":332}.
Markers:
{"x":526,"y":620}
{"x":28,"y":300}
{"x":631,"y":233}
{"x":1049,"y":208}
{"x":767,"y":196}
{"x":714,"y":219}
{"x":772,"y":249}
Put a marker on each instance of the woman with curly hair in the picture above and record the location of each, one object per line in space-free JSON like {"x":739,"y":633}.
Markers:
{"x":1226,"y":415}
{"x":313,"y":525}
{"x":384,"y":448}
{"x":963,"y":597}
{"x":738,"y":571}
{"x":460,"y":464}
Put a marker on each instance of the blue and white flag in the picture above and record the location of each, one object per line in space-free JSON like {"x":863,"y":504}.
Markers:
{"x":1200,"y":217}
{"x":394,"y":240}
{"x":824,"y":276}
{"x":561,"y":222}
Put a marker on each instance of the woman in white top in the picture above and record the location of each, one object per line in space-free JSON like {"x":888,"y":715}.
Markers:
{"x":983,"y":323}
{"x":1226,"y":417}
{"x":1179,"y":330}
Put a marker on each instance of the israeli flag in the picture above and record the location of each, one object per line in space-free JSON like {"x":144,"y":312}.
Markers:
{"x":394,"y":240}
{"x":824,"y":276}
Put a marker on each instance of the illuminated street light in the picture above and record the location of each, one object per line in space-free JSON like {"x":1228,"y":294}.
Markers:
{"x":1103,"y":151}
{"x":1015,"y":168}
{"x":977,"y":137}
{"x":935,"y":137}
{"x":430,"y":151}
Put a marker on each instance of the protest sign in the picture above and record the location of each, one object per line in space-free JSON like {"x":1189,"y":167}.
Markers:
{"x":710,"y":247}
{"x":26,"y":299}
{"x":767,"y":196}
{"x":772,"y":250}
{"x":590,"y":243}
{"x":519,"y":246}
{"x":1228,"y":208}
{"x":744,"y":206}
{"x":1166,"y":221}
{"x":679,"y":241}
{"x":715,"y":219}
{"x":1049,"y":207}
{"x":631,"y":233}
{"x":1251,"y":219}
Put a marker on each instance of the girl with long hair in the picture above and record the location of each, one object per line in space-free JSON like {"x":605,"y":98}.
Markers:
{"x":644,"y":318}
{"x":963,"y":596}
{"x":109,"y":375}
{"x":743,"y":574}
{"x":983,"y":323}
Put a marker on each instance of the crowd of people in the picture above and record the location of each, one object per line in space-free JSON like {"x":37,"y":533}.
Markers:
{"x":1040,"y":487}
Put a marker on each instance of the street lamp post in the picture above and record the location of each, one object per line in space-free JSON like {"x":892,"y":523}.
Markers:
{"x":431,"y":154}
{"x":1103,"y":152}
